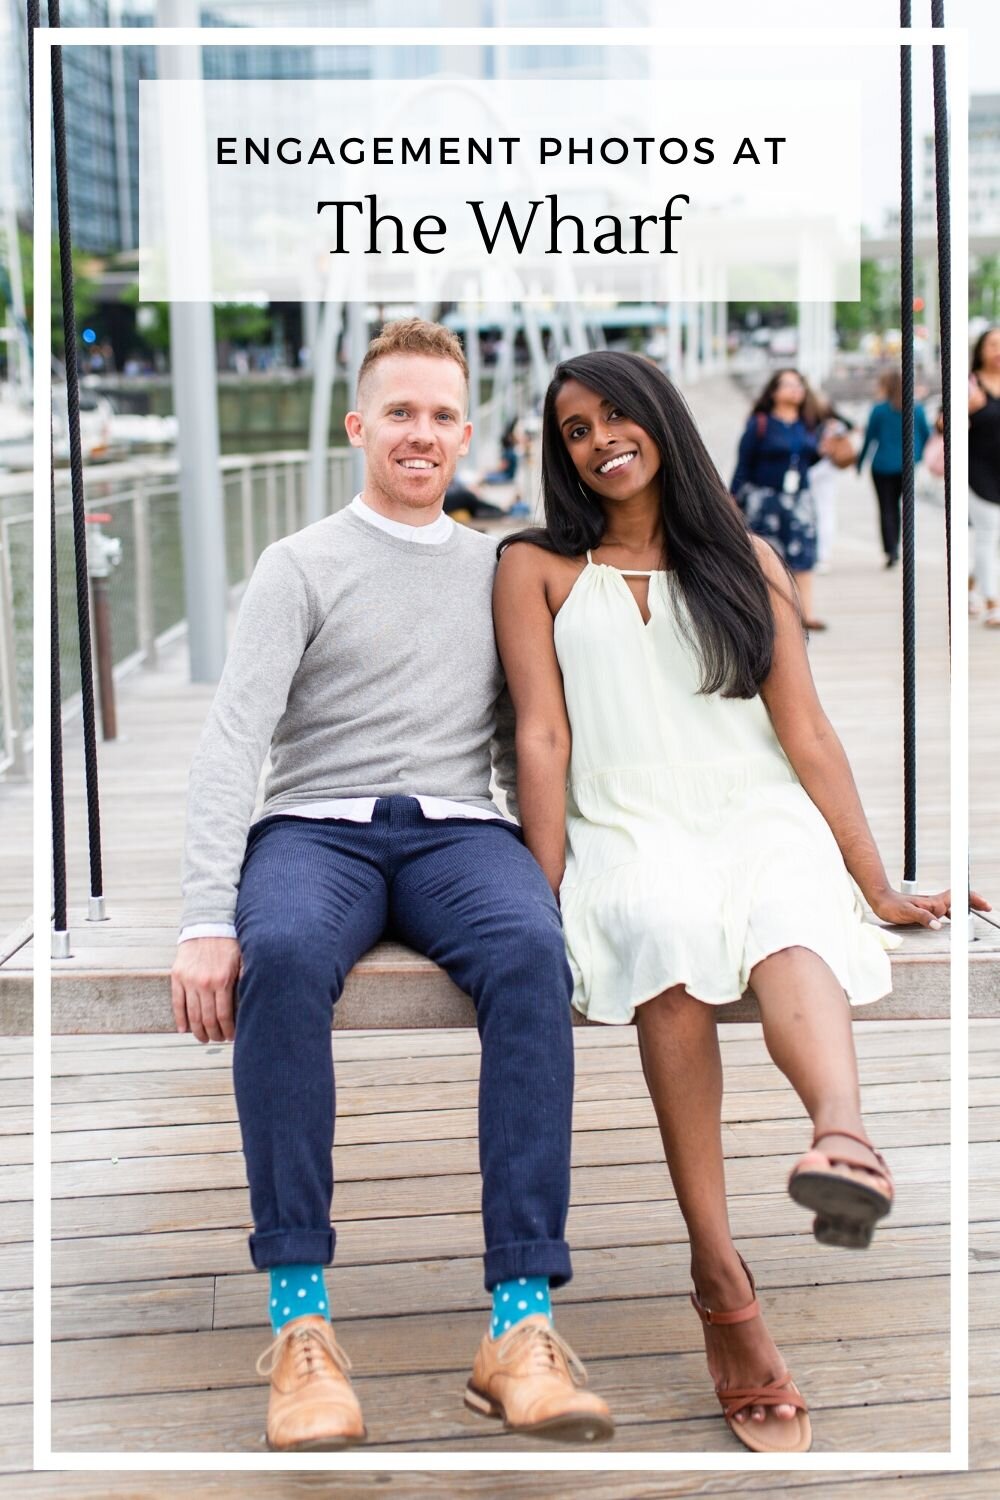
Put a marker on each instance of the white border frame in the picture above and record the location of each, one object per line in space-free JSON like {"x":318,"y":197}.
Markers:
{"x":957,"y":1456}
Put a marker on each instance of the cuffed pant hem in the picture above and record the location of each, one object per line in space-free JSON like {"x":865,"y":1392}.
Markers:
{"x":528,"y":1258}
{"x":292,"y":1247}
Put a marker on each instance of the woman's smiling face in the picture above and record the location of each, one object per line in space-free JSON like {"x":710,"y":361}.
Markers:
{"x":790,"y":388}
{"x":614,"y":457}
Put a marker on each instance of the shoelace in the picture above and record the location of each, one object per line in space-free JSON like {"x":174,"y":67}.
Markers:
{"x":545,"y":1348}
{"x":303,"y":1340}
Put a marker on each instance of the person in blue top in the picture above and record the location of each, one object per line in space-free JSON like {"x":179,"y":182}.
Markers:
{"x":783,"y":439}
{"x":884,"y":435}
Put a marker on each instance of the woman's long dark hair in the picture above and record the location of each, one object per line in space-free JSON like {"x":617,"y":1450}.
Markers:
{"x":892,"y":388}
{"x":809,"y":411}
{"x":706,"y":539}
{"x":977,"y":353}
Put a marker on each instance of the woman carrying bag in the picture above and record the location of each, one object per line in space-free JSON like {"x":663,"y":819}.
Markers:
{"x":781,"y":443}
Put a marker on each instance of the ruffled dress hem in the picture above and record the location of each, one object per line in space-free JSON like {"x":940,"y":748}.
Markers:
{"x":589,"y":1011}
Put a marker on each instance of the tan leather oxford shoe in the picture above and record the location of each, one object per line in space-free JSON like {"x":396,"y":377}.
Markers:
{"x":312,"y":1402}
{"x":532,"y":1381}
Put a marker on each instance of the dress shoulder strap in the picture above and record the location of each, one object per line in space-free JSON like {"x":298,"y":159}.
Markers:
{"x":589,"y":558}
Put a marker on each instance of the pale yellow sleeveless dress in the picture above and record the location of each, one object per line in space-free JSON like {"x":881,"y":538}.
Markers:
{"x":692,"y":849}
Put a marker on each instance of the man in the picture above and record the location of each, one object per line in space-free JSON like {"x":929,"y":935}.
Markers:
{"x":364,"y":659}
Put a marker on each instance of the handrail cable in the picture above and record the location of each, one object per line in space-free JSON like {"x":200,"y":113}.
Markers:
{"x":96,"y":904}
{"x":942,"y":200}
{"x":942,"y":197}
{"x":60,"y":930}
{"x":909,"y":882}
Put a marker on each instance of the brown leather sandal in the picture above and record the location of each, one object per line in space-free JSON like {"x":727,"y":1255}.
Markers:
{"x":774,"y":1434}
{"x":846,"y":1210}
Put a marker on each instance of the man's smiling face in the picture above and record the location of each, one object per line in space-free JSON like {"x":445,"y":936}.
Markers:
{"x":411,"y":424}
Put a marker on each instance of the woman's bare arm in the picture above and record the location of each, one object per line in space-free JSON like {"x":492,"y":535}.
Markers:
{"x":523,"y":623}
{"x":818,"y":759}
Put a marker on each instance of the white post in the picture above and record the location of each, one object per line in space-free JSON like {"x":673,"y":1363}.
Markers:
{"x":310,"y":327}
{"x":577,"y":329}
{"x":721,"y":321}
{"x":124,"y":176}
{"x":323,"y":365}
{"x":674,"y":312}
{"x":706,"y":319}
{"x":691,"y":326}
{"x":16,"y":315}
{"x":271,"y":501}
{"x":806,"y":356}
{"x":192,"y":366}
{"x":471,"y":313}
{"x":931,"y":312}
{"x":357,"y":343}
{"x":12,"y":726}
{"x":536,"y":349}
{"x":829,"y":338}
{"x":144,"y":616}
{"x":246,"y":518}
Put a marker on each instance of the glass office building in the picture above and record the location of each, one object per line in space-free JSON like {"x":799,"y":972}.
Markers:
{"x":102,"y":96}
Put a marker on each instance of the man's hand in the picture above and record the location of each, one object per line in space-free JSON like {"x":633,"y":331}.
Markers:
{"x":202,"y":986}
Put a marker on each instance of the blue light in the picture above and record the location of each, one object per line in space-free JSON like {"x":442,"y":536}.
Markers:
{"x":89,"y":336}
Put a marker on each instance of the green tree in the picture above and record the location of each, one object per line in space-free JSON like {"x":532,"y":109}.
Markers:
{"x":235,"y":322}
{"x":877,"y":307}
{"x":84,"y":289}
{"x":984,"y":288}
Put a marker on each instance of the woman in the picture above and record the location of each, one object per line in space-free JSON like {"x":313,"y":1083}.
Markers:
{"x":656,"y":659}
{"x":984,"y":476}
{"x":782,"y":441}
{"x":884,"y":438}
{"x":823,"y":478}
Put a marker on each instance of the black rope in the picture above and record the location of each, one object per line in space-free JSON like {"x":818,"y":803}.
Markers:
{"x":942,"y":198}
{"x":76,"y":468}
{"x":59,"y":900}
{"x":908,"y":551}
{"x":942,"y":195}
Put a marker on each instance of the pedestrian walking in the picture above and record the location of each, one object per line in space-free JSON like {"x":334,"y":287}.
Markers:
{"x":884,"y":440}
{"x":823,"y":480}
{"x":779,"y":447}
{"x":984,"y":477}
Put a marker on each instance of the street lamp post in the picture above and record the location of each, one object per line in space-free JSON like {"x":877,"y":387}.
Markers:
{"x":192,"y":365}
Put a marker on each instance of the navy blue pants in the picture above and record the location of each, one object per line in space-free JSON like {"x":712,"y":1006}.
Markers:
{"x":314,"y":896}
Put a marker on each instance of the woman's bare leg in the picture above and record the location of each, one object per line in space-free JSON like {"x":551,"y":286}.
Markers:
{"x":807,"y":1028}
{"x":679,"y":1047}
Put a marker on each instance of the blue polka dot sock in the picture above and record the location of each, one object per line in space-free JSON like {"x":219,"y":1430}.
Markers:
{"x":295,"y":1292}
{"x":514,"y":1300}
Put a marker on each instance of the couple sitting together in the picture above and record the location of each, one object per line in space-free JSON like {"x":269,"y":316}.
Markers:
{"x":636,"y":674}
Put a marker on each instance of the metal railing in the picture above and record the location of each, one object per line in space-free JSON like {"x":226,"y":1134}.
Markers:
{"x":264,"y":498}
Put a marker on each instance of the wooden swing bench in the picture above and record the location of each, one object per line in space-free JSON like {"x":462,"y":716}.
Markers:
{"x":117,"y":980}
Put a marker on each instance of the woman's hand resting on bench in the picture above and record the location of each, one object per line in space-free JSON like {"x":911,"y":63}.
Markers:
{"x":202,"y":986}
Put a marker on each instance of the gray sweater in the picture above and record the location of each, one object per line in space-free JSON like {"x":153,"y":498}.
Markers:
{"x":367,"y":665}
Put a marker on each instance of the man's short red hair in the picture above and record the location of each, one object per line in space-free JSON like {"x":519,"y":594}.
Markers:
{"x":413,"y":336}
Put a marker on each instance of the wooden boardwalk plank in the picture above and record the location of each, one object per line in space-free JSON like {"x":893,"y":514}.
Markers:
{"x":433,"y":1234}
{"x":425,"y":1342}
{"x":407,"y":1284}
{"x":222,"y":1134}
{"x":666,"y":1388}
{"x":592,"y":1098}
{"x":159,"y":1316}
